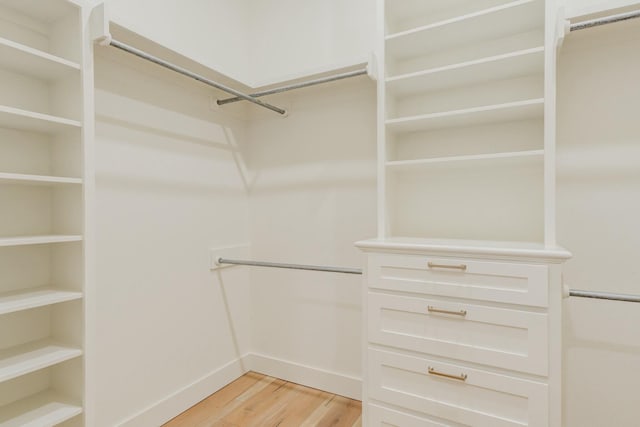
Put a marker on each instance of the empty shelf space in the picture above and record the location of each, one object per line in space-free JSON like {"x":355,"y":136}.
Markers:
{"x":500,"y":67}
{"x":17,"y":178}
{"x":38,"y":240}
{"x":32,"y":298}
{"x":15,"y":118}
{"x":496,"y":22}
{"x":34,"y":62}
{"x":43,"y":409}
{"x":520,"y":110}
{"x":24,"y":359}
{"x":521,"y":156}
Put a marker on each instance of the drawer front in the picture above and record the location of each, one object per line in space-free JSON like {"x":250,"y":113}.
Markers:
{"x":457,"y":393}
{"x":506,"y":338}
{"x":523,"y":284}
{"x":385,"y":417}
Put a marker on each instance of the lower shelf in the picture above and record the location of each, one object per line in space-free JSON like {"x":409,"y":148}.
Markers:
{"x":31,"y":357}
{"x":41,"y":410}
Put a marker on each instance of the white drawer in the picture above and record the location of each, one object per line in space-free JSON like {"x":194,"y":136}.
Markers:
{"x":385,"y":417}
{"x":506,"y":338}
{"x":482,"y":399}
{"x":524,"y":284}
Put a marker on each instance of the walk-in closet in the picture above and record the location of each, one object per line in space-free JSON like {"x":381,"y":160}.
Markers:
{"x":348,"y":213}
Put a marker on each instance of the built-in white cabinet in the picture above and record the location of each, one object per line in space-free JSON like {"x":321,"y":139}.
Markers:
{"x":43,"y":141}
{"x":461,"y":337}
{"x":462,"y":295}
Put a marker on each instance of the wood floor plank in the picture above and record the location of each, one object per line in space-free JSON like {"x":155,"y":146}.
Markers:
{"x":222,"y":402}
{"x":344,"y":412}
{"x":256,"y":400}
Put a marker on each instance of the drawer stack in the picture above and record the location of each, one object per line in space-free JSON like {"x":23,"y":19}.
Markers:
{"x":461,"y":339}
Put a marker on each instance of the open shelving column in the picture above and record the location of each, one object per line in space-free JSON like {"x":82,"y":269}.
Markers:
{"x":42,"y":224}
{"x":463,"y":111}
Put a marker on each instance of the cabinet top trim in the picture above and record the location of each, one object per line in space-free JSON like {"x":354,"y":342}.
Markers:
{"x":537,"y":251}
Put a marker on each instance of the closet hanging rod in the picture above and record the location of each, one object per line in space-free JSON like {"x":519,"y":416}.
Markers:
{"x":605,"y":20}
{"x":180,"y":70}
{"x":290,"y":266}
{"x":298,"y":85}
{"x":604,"y":295}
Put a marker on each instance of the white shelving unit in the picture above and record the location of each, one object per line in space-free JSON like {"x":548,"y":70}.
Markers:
{"x":464,"y":86}
{"x":466,"y":166}
{"x":45,"y":141}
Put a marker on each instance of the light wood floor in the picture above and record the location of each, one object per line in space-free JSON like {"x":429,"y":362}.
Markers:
{"x":258,"y":400}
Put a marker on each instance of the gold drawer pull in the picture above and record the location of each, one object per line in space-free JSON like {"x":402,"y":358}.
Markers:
{"x":461,"y":377}
{"x":432,"y":309}
{"x":461,"y":267}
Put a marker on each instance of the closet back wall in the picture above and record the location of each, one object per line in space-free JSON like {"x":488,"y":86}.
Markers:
{"x":168,"y":189}
{"x":313,"y":195}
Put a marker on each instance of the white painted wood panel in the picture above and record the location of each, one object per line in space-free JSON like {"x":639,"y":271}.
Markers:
{"x":385,"y":417}
{"x":514,"y":283}
{"x":484,"y":399}
{"x":504,"y":338}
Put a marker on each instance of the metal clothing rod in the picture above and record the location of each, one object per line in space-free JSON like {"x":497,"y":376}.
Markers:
{"x":605,"y":20}
{"x":298,"y":86}
{"x":180,"y":70}
{"x":604,"y":295}
{"x":290,"y":266}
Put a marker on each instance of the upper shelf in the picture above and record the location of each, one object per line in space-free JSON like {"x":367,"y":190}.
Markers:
{"x":34,"y":298}
{"x":15,"y":118}
{"x":38,"y":240}
{"x":500,"y":67}
{"x":45,"y":11}
{"x":18,"y":178}
{"x":34,"y":62}
{"x":406,"y":14}
{"x":512,"y":111}
{"x":512,"y":18}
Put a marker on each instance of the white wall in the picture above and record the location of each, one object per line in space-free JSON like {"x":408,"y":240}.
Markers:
{"x":288,"y":37}
{"x":312,"y":196}
{"x":583,"y":7}
{"x":211,"y":32}
{"x":598,"y":211}
{"x":168,"y":189}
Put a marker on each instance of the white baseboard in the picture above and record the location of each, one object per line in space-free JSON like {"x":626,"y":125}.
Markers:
{"x":343,"y":385}
{"x":162,"y":411}
{"x":165,"y":409}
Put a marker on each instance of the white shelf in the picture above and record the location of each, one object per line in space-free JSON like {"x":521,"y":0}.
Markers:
{"x":34,"y":62}
{"x":18,"y":178}
{"x":33,"y":298}
{"x":507,"y":66}
{"x":512,"y":111}
{"x":530,"y":156}
{"x":497,"y":22}
{"x":44,"y":11}
{"x":44,"y":409}
{"x":24,"y":359}
{"x":16,"y":118}
{"x":38,"y":240}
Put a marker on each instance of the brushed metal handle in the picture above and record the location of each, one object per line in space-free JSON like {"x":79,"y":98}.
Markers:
{"x":432,"y":309}
{"x":461,"y":377}
{"x":461,"y":267}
